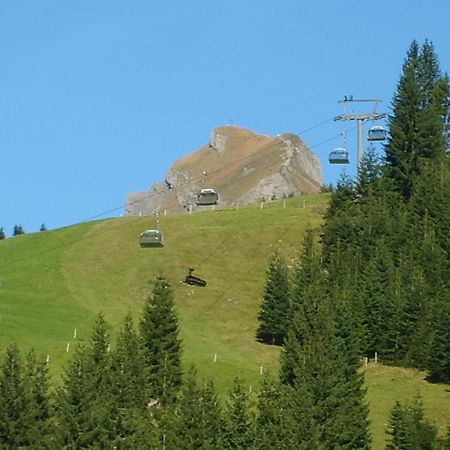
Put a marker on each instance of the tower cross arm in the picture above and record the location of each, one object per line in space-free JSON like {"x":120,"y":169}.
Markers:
{"x":370,"y":116}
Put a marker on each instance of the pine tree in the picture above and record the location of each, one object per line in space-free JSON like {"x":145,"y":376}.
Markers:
{"x":339,"y":217}
{"x":87,"y":415}
{"x":439,"y":348}
{"x":18,"y":230}
{"x":238,"y":421}
{"x":2,"y":234}
{"x":417,"y":125}
{"x":198,"y":415}
{"x":39,"y":410}
{"x":14,"y":423}
{"x":370,"y":172}
{"x":306,"y":293}
{"x":399,"y":430}
{"x":276,"y":425}
{"x":320,"y":360}
{"x":128,"y":369}
{"x":274,"y":311}
{"x":134,"y":423}
{"x":162,"y":346}
{"x":408,"y":428}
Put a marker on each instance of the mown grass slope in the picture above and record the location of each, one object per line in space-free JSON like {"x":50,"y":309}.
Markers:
{"x":56,"y":282}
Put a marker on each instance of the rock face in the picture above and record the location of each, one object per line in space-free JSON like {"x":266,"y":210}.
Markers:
{"x":240,"y":165}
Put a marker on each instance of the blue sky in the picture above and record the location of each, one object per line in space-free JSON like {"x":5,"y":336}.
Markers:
{"x":98,"y":98}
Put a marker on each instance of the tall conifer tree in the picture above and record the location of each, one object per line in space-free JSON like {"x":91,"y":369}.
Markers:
{"x":418,"y":128}
{"x":14,"y":420}
{"x":409,"y":429}
{"x":134,"y":423}
{"x":128,"y":369}
{"x":86,"y":410}
{"x":161,"y":343}
{"x":320,"y":362}
{"x":199,"y":415}
{"x":40,"y":412}
{"x":238,"y":421}
{"x":275,"y":308}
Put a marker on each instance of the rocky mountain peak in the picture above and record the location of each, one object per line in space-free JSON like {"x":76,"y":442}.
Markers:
{"x":242,"y":166}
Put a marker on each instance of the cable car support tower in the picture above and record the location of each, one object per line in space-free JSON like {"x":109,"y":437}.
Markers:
{"x":360,"y":118}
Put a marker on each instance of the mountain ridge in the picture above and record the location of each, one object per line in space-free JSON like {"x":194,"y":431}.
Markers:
{"x":242,"y":166}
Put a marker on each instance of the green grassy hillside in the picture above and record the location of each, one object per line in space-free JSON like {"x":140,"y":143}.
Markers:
{"x":55,"y":282}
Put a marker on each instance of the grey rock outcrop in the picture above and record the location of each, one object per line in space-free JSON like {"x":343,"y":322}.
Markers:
{"x":240,"y":165}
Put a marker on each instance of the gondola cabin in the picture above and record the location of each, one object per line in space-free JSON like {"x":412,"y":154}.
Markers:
{"x":207,"y":197}
{"x":377,"y":133}
{"x":151,"y":238}
{"x":338,"y":156}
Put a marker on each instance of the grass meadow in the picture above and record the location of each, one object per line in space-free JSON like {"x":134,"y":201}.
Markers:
{"x":54,"y":283}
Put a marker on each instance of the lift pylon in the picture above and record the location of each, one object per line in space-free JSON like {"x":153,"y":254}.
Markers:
{"x":360,"y":118}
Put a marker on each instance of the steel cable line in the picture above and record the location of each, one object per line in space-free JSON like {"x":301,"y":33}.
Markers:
{"x":331,"y":119}
{"x":334,"y":137}
{"x":244,"y":275}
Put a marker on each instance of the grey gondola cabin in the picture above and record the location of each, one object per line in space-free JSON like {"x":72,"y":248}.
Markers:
{"x":151,"y":238}
{"x":338,"y":156}
{"x":377,"y":133}
{"x":207,"y":197}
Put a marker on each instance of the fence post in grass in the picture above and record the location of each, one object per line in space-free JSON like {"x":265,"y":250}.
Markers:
{"x":284,"y":203}
{"x":67,"y":347}
{"x":376,"y":357}
{"x":304,"y":204}
{"x":262,"y":205}
{"x":366,"y":360}
{"x":215,"y":357}
{"x":75,"y":333}
{"x":47,"y":359}
{"x":260,"y":370}
{"x":237,"y":206}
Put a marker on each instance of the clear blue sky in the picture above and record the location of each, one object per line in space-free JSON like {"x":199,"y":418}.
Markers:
{"x":98,"y":98}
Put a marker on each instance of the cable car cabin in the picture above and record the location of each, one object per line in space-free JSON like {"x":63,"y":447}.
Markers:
{"x":151,"y":238}
{"x":377,"y":133}
{"x":207,"y":197}
{"x":338,"y":156}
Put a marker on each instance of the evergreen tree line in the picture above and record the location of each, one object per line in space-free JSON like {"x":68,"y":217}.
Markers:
{"x":379,"y":282}
{"x":386,"y":239}
{"x":319,"y":360}
{"x":385,"y":244}
{"x":17,"y":230}
{"x":133,"y":395}
{"x":130,"y":396}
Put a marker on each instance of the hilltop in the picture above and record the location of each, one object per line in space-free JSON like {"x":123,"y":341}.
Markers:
{"x":241,"y":165}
